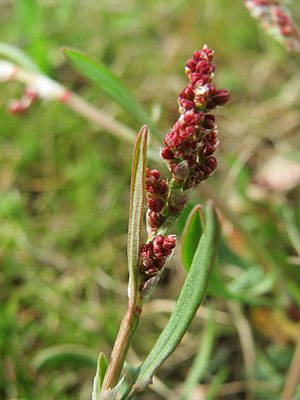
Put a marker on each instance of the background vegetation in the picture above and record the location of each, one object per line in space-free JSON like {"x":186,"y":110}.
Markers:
{"x":64,"y":202}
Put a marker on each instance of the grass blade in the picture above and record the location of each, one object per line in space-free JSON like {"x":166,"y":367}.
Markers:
{"x":54,"y":356}
{"x":202,"y":359}
{"x":105,"y":80}
{"x":191,"y":235}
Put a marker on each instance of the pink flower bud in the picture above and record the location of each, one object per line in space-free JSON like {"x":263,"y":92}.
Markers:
{"x":157,"y":242}
{"x":212,"y":163}
{"x":166,"y":153}
{"x":154,"y":219}
{"x":204,"y":54}
{"x":162,"y":187}
{"x":155,"y":204}
{"x":16,"y":107}
{"x":222,"y":97}
{"x":155,"y":173}
{"x":209,"y":121}
{"x":169,"y":242}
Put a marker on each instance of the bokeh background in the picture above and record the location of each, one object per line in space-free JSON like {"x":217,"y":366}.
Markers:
{"x":65,"y":193}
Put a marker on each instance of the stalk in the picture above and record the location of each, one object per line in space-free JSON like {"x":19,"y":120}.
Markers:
{"x":127,"y":329}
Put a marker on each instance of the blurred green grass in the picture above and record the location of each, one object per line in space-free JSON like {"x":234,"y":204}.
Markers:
{"x":64,"y":198}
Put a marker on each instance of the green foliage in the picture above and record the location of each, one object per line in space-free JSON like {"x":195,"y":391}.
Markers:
{"x":100,"y":373}
{"x":191,"y":235}
{"x":110,"y":85}
{"x":136,"y":211}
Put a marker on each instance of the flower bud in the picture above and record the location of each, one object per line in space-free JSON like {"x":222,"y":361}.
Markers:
{"x":162,"y":187}
{"x":155,"y":204}
{"x":181,"y":171}
{"x":221,"y":97}
{"x":154,"y":219}
{"x":169,"y":242}
{"x":167,"y":153}
{"x":16,"y":107}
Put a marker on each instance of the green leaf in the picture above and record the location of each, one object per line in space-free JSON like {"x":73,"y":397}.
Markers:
{"x":190,"y":298}
{"x":131,"y":374}
{"x":247,"y":286}
{"x":219,"y":289}
{"x":105,"y":80}
{"x":136,"y":209}
{"x":191,"y":235}
{"x":66,"y":353}
{"x":100,"y":373}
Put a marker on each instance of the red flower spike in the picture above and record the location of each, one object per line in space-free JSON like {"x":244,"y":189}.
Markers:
{"x":189,"y":146}
{"x":155,"y":253}
{"x":193,"y":138}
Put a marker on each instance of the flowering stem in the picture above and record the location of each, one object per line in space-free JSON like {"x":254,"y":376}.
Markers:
{"x":136,"y":212}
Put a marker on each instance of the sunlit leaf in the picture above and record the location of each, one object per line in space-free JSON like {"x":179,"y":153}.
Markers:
{"x":190,"y":298}
{"x":191,"y":235}
{"x":105,"y":80}
{"x":136,"y":210}
{"x":55,"y":356}
{"x":100,"y":373}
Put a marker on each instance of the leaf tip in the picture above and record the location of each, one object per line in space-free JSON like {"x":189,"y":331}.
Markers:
{"x":64,"y":50}
{"x":144,"y":130}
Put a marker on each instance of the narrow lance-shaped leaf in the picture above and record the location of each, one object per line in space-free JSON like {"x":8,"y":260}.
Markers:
{"x":136,"y":210}
{"x":191,"y":235}
{"x":105,"y":80}
{"x":55,"y":356}
{"x":190,"y":298}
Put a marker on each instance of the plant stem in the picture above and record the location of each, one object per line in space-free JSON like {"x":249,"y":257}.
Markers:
{"x":127,"y":328}
{"x":49,"y":89}
{"x":135,"y":223}
{"x":98,"y":117}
